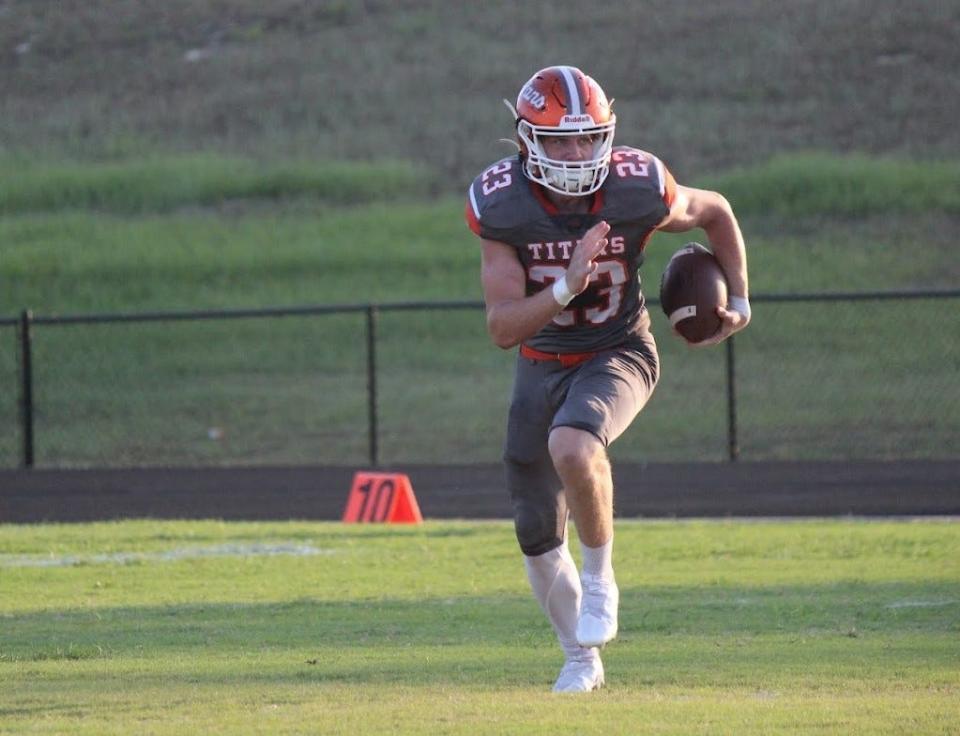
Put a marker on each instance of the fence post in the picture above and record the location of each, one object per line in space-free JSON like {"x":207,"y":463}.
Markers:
{"x":26,"y":387}
{"x":372,"y":382}
{"x":733,"y":447}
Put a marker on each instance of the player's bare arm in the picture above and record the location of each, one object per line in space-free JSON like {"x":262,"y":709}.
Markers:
{"x":512,"y":316}
{"x":710,"y":211}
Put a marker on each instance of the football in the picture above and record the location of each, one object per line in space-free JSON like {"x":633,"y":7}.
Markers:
{"x":692,"y":287}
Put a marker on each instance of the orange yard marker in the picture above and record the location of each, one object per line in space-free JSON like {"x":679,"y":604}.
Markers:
{"x":382,"y":497}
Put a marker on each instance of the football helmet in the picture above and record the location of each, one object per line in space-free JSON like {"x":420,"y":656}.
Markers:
{"x":563,"y":101}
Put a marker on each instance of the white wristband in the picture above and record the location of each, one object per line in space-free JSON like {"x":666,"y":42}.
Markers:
{"x":561,"y":292}
{"x":740,"y":304}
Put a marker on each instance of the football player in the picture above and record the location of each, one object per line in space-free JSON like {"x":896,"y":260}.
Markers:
{"x":563,"y":226}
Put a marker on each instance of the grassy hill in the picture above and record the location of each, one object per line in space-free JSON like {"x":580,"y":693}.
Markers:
{"x":707,"y":86}
{"x":196,"y":232}
{"x":228,"y":115}
{"x":202,"y":154}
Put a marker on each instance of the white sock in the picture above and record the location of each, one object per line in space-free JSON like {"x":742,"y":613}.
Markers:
{"x":598,"y":561}
{"x":556,"y":585}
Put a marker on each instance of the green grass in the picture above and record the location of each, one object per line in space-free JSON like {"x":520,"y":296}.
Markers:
{"x":81,"y":262}
{"x":179,"y":233}
{"x":726,"y":627}
{"x":164,"y":183}
{"x":820,"y":184}
{"x":796,"y":185}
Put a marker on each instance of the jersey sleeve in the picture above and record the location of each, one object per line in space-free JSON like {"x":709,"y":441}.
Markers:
{"x":668,"y":186}
{"x":472,"y":213}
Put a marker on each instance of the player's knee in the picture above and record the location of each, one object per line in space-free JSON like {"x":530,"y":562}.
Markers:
{"x":575,"y":451}
{"x":537,"y":529}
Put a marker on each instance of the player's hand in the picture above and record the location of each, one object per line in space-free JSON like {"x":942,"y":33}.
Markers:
{"x":732,"y":321}
{"x":583,"y":261}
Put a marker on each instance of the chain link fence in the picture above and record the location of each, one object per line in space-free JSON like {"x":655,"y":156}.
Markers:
{"x":816,"y":377}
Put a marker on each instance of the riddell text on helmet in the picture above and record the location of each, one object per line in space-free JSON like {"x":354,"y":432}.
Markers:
{"x":578,"y":120}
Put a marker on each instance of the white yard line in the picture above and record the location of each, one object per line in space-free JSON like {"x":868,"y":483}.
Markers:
{"x":921,"y":604}
{"x":266,"y":549}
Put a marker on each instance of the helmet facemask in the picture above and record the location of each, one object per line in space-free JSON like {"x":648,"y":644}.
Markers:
{"x":570,"y":178}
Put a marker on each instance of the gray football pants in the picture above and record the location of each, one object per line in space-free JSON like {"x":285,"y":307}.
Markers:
{"x":602,"y":396}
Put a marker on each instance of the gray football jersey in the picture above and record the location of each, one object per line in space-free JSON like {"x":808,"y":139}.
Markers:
{"x":503,"y":205}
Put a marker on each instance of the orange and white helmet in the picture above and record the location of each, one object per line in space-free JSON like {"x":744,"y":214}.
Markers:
{"x":563,"y":101}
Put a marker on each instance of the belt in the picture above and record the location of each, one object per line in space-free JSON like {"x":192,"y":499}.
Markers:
{"x":567,"y":360}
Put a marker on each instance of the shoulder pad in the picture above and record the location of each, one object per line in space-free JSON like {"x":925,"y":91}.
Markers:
{"x":499,"y":200}
{"x":638,"y":180}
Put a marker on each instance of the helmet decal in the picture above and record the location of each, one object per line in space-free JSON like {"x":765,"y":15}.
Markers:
{"x":535,"y":98}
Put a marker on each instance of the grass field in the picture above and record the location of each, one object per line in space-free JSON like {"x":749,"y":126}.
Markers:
{"x":198,"y":154}
{"x":728,"y":627}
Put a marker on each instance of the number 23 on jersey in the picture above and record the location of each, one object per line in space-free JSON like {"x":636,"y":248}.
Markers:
{"x":613,"y":274}
{"x":496,"y":177}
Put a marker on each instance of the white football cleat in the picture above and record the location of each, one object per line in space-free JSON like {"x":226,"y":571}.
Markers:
{"x":580,"y":674}
{"x":597,"y":623}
